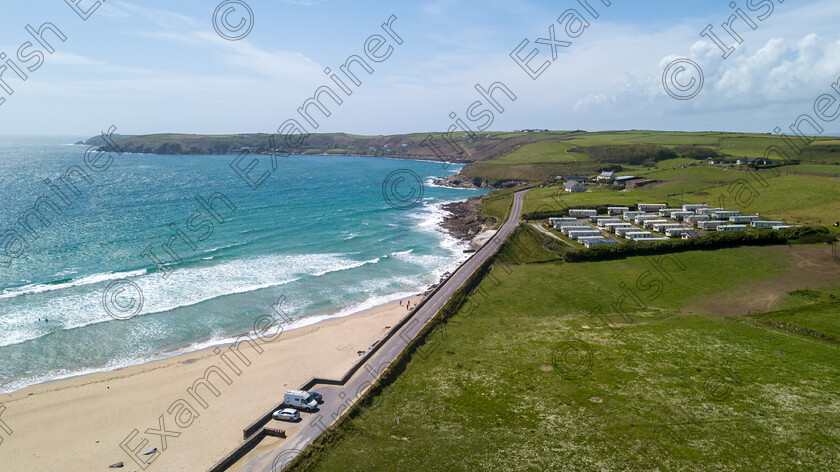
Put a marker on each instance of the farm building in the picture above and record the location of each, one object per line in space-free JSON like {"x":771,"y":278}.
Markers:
{"x":590,"y":243}
{"x":681,"y":215}
{"x":743,"y":219}
{"x":694,"y":206}
{"x":642,"y":218}
{"x":582,"y":213}
{"x":649,"y":223}
{"x":707,"y":211}
{"x":765,"y":224}
{"x":651,"y":206}
{"x":678,"y":231}
{"x":754,"y":161}
{"x":631,"y":215}
{"x":606,"y":176}
{"x":711,"y":224}
{"x":732,"y":228}
{"x":614,"y":211}
{"x":583,"y":233}
{"x":574,"y":186}
{"x":725,"y":215}
{"x":624,"y":179}
{"x":695,"y":219}
{"x":554,"y":221}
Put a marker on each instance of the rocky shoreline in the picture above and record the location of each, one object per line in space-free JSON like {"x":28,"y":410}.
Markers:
{"x":465,"y":220}
{"x":462,"y":181}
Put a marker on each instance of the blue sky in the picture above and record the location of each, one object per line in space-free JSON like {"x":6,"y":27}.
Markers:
{"x":156,"y":66}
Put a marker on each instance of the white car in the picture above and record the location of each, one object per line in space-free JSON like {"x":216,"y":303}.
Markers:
{"x":286,"y":414}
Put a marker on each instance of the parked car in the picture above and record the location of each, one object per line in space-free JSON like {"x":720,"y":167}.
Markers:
{"x":286,"y":414}
{"x":317,"y":397}
{"x":300,"y":399}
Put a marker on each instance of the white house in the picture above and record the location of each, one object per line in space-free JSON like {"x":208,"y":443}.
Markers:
{"x":606,"y":176}
{"x":574,"y":186}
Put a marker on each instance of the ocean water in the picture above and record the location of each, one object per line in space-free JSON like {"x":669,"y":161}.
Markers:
{"x":318,"y":233}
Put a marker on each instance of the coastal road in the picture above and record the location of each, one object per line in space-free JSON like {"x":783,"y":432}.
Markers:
{"x":338,"y":398}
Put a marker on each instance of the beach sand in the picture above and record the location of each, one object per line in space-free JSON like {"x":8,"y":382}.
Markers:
{"x":79,"y":423}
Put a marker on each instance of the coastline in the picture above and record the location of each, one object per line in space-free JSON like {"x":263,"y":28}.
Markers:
{"x":84,"y":419}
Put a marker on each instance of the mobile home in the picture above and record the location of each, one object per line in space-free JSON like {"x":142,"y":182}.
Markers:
{"x":604,"y":223}
{"x":596,"y":219}
{"x":642,"y":218}
{"x":648,"y":224}
{"x":681,"y":215}
{"x":615,"y":211}
{"x":589,"y":243}
{"x":583,"y":233}
{"x":707,"y":211}
{"x":766,"y":224}
{"x":678,"y":231}
{"x":695,"y":219}
{"x":667,"y":211}
{"x":582,"y":213}
{"x":694,"y":206}
{"x":662,"y":227}
{"x":637,"y":235}
{"x":743,"y":219}
{"x":732,"y":228}
{"x":631,"y":215}
{"x":623,"y":231}
{"x":566,"y":229}
{"x":554,"y":221}
{"x":725,"y":215}
{"x":651,"y":206}
{"x":612,"y":227}
{"x":567,"y":224}
{"x":710,"y":224}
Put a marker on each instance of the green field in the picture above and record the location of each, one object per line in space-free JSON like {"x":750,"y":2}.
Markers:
{"x":530,"y":379}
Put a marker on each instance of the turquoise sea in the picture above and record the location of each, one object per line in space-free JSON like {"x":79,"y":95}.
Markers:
{"x":318,"y":232}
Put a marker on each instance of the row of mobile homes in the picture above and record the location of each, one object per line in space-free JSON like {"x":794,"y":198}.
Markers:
{"x":583,"y":233}
{"x":725,"y":215}
{"x":554,"y":221}
{"x":604,"y":223}
{"x":695,"y":219}
{"x":596,"y":219}
{"x":667,"y":211}
{"x":590,"y":243}
{"x":615,"y":211}
{"x":707,"y":211}
{"x":648,"y":224}
{"x":631,"y":215}
{"x":711,"y":224}
{"x":743,"y":219}
{"x":569,"y":224}
{"x":651,"y":206}
{"x":642,"y":218}
{"x":765,"y":224}
{"x":678,"y":231}
{"x":694,"y":206}
{"x":662,"y":227}
{"x":732,"y":228}
{"x":681,"y":215}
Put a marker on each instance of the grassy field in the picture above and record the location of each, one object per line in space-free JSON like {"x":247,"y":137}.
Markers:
{"x":498,"y":203}
{"x":817,"y":311}
{"x":532,"y":380}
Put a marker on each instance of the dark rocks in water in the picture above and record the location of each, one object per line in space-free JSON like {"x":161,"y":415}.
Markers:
{"x":118,"y":465}
{"x":149,"y":451}
{"x":465,"y":219}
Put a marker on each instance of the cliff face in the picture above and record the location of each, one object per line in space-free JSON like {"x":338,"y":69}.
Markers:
{"x":466,"y":220}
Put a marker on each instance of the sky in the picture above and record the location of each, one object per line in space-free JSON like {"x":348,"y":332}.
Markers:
{"x":161,"y":66}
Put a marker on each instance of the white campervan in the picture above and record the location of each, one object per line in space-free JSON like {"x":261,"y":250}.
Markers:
{"x":300,"y":399}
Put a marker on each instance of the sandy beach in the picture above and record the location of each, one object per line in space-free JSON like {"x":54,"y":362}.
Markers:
{"x":80,"y":423}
